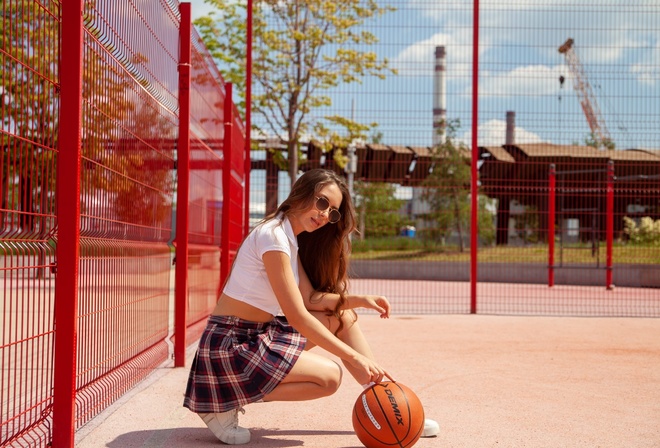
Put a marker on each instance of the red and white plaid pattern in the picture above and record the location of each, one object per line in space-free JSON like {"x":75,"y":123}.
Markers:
{"x":238,"y":362}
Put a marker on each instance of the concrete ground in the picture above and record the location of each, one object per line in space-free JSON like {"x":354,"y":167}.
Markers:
{"x":490,"y":381}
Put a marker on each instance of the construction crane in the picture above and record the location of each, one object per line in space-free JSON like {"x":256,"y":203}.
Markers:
{"x":586,"y":97}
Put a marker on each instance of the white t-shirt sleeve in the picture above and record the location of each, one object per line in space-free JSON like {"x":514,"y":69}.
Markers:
{"x":272,"y":239}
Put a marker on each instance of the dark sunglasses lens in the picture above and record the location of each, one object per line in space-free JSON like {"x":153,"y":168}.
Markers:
{"x":322,"y":204}
{"x":334,"y":216}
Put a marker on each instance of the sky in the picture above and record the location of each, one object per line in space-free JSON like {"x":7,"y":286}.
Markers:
{"x":617,"y":43}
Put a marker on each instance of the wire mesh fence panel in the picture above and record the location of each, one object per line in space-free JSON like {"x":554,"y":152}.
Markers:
{"x":28,"y":142}
{"x":129,"y":124}
{"x":554,"y":91}
{"x":207,"y":193}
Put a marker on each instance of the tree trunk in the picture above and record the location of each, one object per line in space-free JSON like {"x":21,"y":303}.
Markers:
{"x":292,"y":148}
{"x":272,"y":184}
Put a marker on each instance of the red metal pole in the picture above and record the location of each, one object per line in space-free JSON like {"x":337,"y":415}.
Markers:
{"x":68,"y":223}
{"x":226,"y":185}
{"x":248,"y":118}
{"x":551,"y":226}
{"x":475,"y":156}
{"x":609,"y":224}
{"x":183,"y":190}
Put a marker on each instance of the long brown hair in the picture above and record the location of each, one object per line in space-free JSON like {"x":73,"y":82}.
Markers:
{"x":325,"y":252}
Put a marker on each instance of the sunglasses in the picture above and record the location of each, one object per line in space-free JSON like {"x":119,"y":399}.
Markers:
{"x":322,"y":204}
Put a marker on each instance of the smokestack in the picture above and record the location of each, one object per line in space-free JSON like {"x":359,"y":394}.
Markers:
{"x":510,"y":128}
{"x":439,"y":97}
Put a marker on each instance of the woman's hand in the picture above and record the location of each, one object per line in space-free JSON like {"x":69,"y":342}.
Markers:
{"x":378,"y":303}
{"x":371,"y":372}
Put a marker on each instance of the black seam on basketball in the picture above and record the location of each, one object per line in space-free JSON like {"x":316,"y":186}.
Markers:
{"x":366,"y":429}
{"x":389,"y":424}
{"x":403,"y":392}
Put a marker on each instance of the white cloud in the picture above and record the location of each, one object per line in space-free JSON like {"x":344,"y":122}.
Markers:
{"x":601,"y":36}
{"x":418,"y":59}
{"x":199,"y":8}
{"x":493,"y":133}
{"x":648,"y":72}
{"x":531,"y":80}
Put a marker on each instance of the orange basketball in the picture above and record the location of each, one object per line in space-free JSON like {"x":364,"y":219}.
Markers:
{"x":388,"y":415}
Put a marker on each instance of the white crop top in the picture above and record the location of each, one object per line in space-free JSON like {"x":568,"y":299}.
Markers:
{"x":248,"y":281}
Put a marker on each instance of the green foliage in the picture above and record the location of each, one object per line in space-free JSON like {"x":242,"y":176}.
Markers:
{"x":447,"y":192}
{"x":486,"y":220}
{"x":301,"y":50}
{"x":527,"y":225}
{"x":29,"y":101}
{"x":646,"y":233}
{"x":382,"y":244}
{"x":378,"y":249}
{"x":378,"y":209}
{"x":593,"y":141}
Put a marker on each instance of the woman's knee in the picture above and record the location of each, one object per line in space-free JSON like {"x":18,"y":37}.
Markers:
{"x":312,"y":368}
{"x":331,"y":378}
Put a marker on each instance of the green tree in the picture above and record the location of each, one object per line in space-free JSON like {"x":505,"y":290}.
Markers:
{"x":143,"y":187}
{"x":378,"y":209}
{"x":527,"y":224}
{"x":301,"y":50}
{"x":29,"y":33}
{"x":30,"y":104}
{"x":447,"y":192}
{"x":646,"y":233}
{"x":595,"y":142}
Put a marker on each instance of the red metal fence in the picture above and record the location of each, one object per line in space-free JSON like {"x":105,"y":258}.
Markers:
{"x":106,"y":121}
{"x":118,"y":134}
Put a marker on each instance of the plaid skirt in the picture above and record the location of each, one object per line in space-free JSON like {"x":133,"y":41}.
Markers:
{"x":239,"y":361}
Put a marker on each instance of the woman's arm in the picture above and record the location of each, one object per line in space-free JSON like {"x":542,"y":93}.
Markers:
{"x":288,"y":294}
{"x":322,"y":301}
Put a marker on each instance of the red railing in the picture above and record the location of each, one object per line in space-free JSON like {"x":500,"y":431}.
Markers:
{"x":88,"y":204}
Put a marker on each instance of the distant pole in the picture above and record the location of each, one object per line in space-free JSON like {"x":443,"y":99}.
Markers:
{"x":351,"y":168}
{"x":609,"y":223}
{"x":510,"y":138}
{"x":440,"y":97}
{"x":474,"y":231}
{"x":551,"y":225}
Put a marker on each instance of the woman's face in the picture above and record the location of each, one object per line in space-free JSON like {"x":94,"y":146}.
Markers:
{"x":313,"y":218}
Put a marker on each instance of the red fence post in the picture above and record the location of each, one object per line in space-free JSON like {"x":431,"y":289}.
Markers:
{"x":609,"y":223}
{"x":226,"y":185}
{"x":68,"y":223}
{"x":475,"y":156}
{"x":248,"y":117}
{"x":183,"y":190}
{"x":552,"y":194}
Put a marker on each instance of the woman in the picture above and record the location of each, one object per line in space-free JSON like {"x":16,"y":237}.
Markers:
{"x":286,"y":293}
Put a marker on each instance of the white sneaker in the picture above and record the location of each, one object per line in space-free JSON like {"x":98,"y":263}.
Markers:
{"x":431,"y":428}
{"x":225,"y":427}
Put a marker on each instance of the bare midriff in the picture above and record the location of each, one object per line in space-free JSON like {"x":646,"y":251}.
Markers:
{"x":228,"y":306}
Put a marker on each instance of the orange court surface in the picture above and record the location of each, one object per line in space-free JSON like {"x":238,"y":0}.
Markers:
{"x":490,"y":381}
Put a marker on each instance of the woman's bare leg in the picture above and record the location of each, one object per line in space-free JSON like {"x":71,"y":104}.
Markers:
{"x":316,"y":376}
{"x":313,"y":376}
{"x":351,"y":334}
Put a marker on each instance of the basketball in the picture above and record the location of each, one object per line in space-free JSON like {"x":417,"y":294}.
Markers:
{"x":388,"y":414}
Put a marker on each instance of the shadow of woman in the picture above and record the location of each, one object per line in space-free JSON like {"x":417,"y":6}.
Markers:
{"x":189,"y":437}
